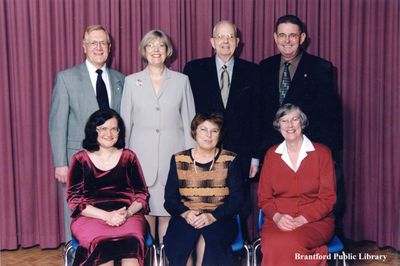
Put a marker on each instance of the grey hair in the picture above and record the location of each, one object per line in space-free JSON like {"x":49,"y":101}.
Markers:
{"x":214,"y":32}
{"x":284,"y":110}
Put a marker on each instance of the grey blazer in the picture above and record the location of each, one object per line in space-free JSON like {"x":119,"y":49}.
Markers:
{"x":157,"y":126}
{"x":72,"y":102}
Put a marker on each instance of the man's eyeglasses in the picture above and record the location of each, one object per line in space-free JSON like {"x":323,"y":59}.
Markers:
{"x":104,"y":130}
{"x":291,"y":36}
{"x":94,"y":44}
{"x":221,"y":37}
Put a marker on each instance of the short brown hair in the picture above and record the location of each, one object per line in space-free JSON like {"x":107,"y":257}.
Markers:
{"x":215,"y":118}
{"x":151,"y":35}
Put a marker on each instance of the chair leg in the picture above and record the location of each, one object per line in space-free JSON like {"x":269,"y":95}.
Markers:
{"x":344,"y":258}
{"x":248,"y":254}
{"x":255,"y":248}
{"x":153,"y":255}
{"x":162,"y":257}
{"x":67,"y":249}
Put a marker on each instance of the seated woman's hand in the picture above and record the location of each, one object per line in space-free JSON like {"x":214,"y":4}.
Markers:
{"x":300,"y":220}
{"x":190,"y":216}
{"x":285,"y":222}
{"x":203,"y":220}
{"x":117,"y":217}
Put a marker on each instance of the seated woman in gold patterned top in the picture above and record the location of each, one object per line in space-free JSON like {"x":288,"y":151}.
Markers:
{"x":203,"y":194}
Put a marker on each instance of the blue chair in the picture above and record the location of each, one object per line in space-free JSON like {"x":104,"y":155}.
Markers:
{"x":334,"y":247}
{"x":237,"y":245}
{"x":72,"y":246}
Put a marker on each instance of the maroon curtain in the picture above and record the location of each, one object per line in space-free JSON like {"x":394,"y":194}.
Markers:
{"x":41,"y":37}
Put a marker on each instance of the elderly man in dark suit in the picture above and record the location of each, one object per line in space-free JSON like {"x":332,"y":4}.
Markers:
{"x":229,"y":85}
{"x":78,"y":92}
{"x":305,"y":80}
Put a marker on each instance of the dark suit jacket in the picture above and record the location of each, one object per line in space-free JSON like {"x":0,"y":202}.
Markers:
{"x":313,"y":90}
{"x":242,"y":113}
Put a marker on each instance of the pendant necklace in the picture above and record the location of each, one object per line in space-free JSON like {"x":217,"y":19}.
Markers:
{"x":212,"y":162}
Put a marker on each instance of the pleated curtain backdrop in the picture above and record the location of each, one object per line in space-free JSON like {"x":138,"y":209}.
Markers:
{"x":41,"y":37}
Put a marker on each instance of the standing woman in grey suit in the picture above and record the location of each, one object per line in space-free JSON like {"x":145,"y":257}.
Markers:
{"x":157,"y":107}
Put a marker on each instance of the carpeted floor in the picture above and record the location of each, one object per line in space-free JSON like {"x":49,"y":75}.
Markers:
{"x":358,"y":254}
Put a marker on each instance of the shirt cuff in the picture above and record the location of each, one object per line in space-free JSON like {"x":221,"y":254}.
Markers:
{"x":255,"y":161}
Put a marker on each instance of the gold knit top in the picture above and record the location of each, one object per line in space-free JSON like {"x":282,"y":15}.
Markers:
{"x":203,"y":189}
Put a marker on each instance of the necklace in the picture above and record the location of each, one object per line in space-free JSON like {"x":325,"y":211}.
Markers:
{"x":212,"y":162}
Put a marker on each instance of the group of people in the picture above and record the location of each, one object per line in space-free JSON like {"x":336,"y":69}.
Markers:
{"x":172,"y":154}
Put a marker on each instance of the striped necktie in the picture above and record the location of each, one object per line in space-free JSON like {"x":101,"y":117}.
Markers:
{"x":225,"y":85}
{"x":285,"y":84}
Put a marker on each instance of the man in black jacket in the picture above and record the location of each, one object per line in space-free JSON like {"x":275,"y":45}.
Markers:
{"x":305,"y":80}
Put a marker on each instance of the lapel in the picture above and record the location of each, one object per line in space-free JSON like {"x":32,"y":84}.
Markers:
{"x":300,"y":75}
{"x":145,"y":76}
{"x":301,"y":69}
{"x":235,"y":83}
{"x":116,"y":89}
{"x":216,"y":90}
{"x":164,"y":82}
{"x":88,"y":95}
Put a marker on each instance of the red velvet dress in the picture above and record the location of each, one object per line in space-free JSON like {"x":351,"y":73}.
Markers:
{"x":309,"y":192}
{"x":108,"y":190}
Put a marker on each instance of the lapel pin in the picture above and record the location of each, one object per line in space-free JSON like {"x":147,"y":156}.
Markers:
{"x":305,"y":75}
{"x":139,"y":82}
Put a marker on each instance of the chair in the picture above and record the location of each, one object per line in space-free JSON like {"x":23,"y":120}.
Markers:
{"x":72,"y":245}
{"x":237,"y":245}
{"x":334,"y":247}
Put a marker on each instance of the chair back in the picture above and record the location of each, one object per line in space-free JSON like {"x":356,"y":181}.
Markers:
{"x":238,"y":243}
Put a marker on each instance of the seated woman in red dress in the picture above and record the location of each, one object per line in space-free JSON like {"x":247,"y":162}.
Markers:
{"x":107,"y":195}
{"x":296,"y":194}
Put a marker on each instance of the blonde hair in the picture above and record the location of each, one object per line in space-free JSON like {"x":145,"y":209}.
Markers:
{"x":92,"y":28}
{"x":150,"y":36}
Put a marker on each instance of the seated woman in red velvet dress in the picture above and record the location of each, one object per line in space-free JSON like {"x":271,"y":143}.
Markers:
{"x":107,"y":195}
{"x":297,"y":194}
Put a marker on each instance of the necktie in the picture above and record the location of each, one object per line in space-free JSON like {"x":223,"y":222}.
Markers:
{"x":225,"y":84}
{"x":285,"y":84}
{"x":101,"y":91}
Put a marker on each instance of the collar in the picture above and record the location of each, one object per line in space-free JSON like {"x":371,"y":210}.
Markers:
{"x":165,"y":75}
{"x":92,"y":69}
{"x":306,"y":146}
{"x":293,"y":61}
{"x":219,"y":63}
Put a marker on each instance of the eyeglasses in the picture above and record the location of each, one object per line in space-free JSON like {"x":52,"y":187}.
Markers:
{"x":221,"y":37}
{"x":214,"y":132}
{"x":291,"y":36}
{"x":104,"y":130}
{"x":294,"y":121}
{"x":153,"y":46}
{"x":95,"y":44}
